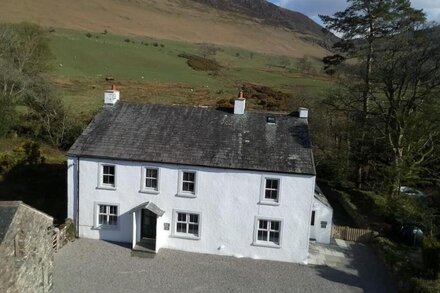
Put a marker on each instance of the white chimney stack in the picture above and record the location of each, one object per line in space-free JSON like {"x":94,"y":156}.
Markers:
{"x":303,"y":112}
{"x":240,"y":104}
{"x":111,"y":97}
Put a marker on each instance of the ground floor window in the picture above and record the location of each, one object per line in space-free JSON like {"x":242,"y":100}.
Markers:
{"x":107,"y":215}
{"x":268,"y":232}
{"x":187,"y":224}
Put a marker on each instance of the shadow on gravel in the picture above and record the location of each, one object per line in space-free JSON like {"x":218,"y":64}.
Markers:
{"x":363,"y":270}
{"x":338,"y":276}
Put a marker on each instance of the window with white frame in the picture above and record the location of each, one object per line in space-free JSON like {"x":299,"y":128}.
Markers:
{"x":108,"y":174}
{"x":268,"y":232}
{"x":271,"y":189}
{"x":187,"y":224}
{"x":151,"y":180}
{"x":107,"y":215}
{"x":188,"y":184}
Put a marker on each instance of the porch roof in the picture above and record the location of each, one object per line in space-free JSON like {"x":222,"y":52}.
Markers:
{"x":149,"y":206}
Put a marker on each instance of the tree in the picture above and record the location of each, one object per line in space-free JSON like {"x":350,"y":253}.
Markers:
{"x":48,"y":113}
{"x":363,"y":25}
{"x":405,"y":106}
{"x":24,"y":55}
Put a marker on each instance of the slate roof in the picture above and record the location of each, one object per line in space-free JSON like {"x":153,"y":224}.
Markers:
{"x":319,"y":195}
{"x":198,"y":136}
{"x":7,"y":214}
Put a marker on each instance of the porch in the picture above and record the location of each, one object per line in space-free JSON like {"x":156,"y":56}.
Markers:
{"x":145,"y":227}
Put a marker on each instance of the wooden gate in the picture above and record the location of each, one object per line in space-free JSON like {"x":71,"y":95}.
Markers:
{"x":352,"y":234}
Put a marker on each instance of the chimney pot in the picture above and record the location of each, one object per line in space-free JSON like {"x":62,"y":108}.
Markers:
{"x":241,"y":95}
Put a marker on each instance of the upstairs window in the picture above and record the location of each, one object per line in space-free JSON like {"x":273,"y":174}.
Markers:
{"x":151,"y":179}
{"x":107,"y":215}
{"x":268,"y":232}
{"x":108,"y":175}
{"x":270,"y":193}
{"x":187,"y":184}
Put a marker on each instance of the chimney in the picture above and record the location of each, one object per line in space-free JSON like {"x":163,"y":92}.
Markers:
{"x":111,"y":97}
{"x":240,"y":104}
{"x":303,"y":113}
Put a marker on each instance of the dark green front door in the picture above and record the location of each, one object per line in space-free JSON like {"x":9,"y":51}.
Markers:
{"x":148,"y":224}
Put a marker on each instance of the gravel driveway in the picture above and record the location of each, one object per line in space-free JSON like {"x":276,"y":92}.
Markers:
{"x":98,"y":266}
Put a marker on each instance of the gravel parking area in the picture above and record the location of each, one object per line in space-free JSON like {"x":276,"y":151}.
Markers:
{"x":98,"y":266}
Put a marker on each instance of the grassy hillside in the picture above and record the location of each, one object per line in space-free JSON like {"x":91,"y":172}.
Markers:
{"x":150,"y":70}
{"x":181,"y":20}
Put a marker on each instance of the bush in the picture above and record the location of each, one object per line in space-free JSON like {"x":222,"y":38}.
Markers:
{"x":425,"y":286}
{"x":89,"y":35}
{"x":431,"y":255}
{"x":70,"y":229}
{"x":32,"y":153}
{"x":127,"y":40}
{"x":200,"y":63}
{"x":7,"y":162}
{"x":155,"y":44}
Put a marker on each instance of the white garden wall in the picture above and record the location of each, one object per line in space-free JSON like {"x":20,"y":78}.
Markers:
{"x":228,"y":201}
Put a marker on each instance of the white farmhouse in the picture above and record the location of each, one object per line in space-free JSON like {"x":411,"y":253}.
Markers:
{"x":196,"y":179}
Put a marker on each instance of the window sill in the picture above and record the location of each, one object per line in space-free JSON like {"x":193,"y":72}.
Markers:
{"x":267,"y":245}
{"x":149,"y":191}
{"x":106,"y":227}
{"x":185,"y":237}
{"x":103,"y":187}
{"x":188,"y":195}
{"x":269,"y":203}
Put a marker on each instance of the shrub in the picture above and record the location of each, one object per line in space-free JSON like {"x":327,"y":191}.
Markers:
{"x":89,"y":35}
{"x":70,"y":229}
{"x":199,"y":63}
{"x":425,"y":286}
{"x":162,"y":45}
{"x":431,"y":255}
{"x":7,"y":162}
{"x":155,"y":44}
{"x":127,"y":40}
{"x":32,"y":153}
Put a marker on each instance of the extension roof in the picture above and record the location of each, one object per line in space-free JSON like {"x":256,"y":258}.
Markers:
{"x":198,"y":136}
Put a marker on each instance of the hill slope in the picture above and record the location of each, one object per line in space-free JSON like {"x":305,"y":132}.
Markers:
{"x":274,"y":15}
{"x":182,"y":20}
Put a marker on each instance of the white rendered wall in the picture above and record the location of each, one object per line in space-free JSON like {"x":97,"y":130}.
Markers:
{"x":323,"y":213}
{"x":228,"y":201}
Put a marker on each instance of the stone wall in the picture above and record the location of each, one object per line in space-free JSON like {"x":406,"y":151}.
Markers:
{"x":26,"y":254}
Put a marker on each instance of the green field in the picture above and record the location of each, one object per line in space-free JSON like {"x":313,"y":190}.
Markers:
{"x":150,"y":70}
